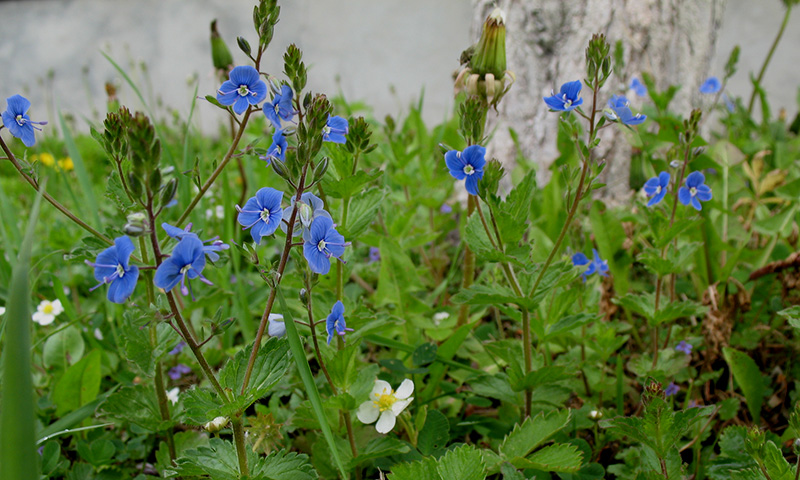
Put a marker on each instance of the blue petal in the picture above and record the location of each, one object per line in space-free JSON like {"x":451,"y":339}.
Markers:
{"x":338,"y":308}
{"x":455,"y":163}
{"x":663,"y":179}
{"x":168,"y":274}
{"x":260,"y":90}
{"x":240,"y":105}
{"x":704,"y":193}
{"x":472,"y":184}
{"x":335,"y":138}
{"x":711,"y":85}
{"x":574,"y":105}
{"x":474,"y":155}
{"x":317,"y":261}
{"x":656,"y":199}
{"x":244,"y":75}
{"x":269,"y":112}
{"x":174,"y":232}
{"x":579,"y":259}
{"x":319,"y":229}
{"x":187,"y":251}
{"x":684,"y":196}
{"x":634,"y":120}
{"x":555,"y":102}
{"x":695,"y":179}
{"x":572,"y":89}
{"x":269,"y":198}
{"x":125,"y":248}
{"x":696,"y":204}
{"x":256,"y":232}
{"x":198,"y":264}
{"x":338,"y":123}
{"x":122,"y":288}
{"x":18,"y":105}
{"x":335,"y":242}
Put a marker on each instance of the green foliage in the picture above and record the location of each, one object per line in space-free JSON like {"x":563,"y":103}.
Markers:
{"x":748,"y":377}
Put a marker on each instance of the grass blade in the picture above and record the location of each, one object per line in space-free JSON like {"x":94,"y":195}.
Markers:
{"x":296,"y":346}
{"x":80,"y":170}
{"x":18,"y":458}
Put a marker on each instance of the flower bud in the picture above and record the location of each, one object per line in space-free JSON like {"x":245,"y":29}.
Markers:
{"x":490,"y":54}
{"x":595,"y":415}
{"x":133,"y":230}
{"x":244,"y":45}
{"x":320,"y":169}
{"x":169,"y":191}
{"x":303,"y":296}
{"x":216,"y":425}
{"x":276,"y":326}
{"x":220,"y":54}
{"x":305,"y":214}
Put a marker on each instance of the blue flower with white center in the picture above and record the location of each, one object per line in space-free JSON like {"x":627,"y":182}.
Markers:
{"x":684,"y":347}
{"x":216,"y":245}
{"x":656,"y":187}
{"x":467,"y":165}
{"x":619,"y":111}
{"x":186,"y":262}
{"x":694,"y":191}
{"x":280,"y":108}
{"x":566,"y":99}
{"x":322,"y":243}
{"x":597,"y":265}
{"x":310,"y":207}
{"x":638,"y":87}
{"x":262,"y":214}
{"x":111,"y":266}
{"x":671,"y":389}
{"x":711,"y":85}
{"x":244,"y":88}
{"x":335,"y":130}
{"x":277,"y":149}
{"x":335,"y":321}
{"x":17,"y":121}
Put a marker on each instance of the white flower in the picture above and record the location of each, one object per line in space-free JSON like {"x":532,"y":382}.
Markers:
{"x":386,"y":403}
{"x":219,"y":212}
{"x":276,"y":326}
{"x":47,"y":312}
{"x":172,"y":395}
{"x":98,"y":334}
{"x":439,"y":316}
{"x":2,"y":310}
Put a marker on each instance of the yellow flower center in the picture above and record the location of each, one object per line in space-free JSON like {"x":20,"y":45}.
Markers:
{"x":385,"y":401}
{"x":48,"y":308}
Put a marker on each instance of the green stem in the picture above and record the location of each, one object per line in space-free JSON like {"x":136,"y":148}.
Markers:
{"x":241,"y":452}
{"x":468,"y":269}
{"x":785,"y":22}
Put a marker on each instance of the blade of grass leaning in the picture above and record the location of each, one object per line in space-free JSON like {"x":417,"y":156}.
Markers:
{"x":80,"y":171}
{"x":296,"y":346}
{"x":18,"y":457}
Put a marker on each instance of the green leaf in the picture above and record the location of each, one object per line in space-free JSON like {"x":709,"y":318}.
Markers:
{"x":534,"y":431}
{"x":137,"y":404}
{"x":270,"y":366}
{"x":362,"y":212}
{"x":559,"y":457}
{"x":643,"y":304}
{"x":494,"y":386}
{"x":97,"y":452}
{"x":777,"y":466}
{"x":281,"y":465}
{"x":570,"y":322}
{"x":779,"y":224}
{"x":217,"y":460}
{"x":424,"y":354}
{"x":422,"y":470}
{"x":476,"y":237}
{"x":748,"y":377}
{"x":66,"y":423}
{"x":434,"y":434}
{"x":63,"y":348}
{"x":463,"y":463}
{"x":792,"y":315}
{"x":398,"y":276}
{"x":349,"y":185}
{"x":18,"y":458}
{"x":138,"y":349}
{"x":478,"y":294}
{"x":79,"y":385}
{"x":379,"y":447}
{"x":201,"y":405}
{"x":342,"y":366}
{"x":675,"y":310}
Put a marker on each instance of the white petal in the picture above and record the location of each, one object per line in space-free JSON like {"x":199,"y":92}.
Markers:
{"x":400,"y":405}
{"x":43,"y":318}
{"x":386,"y":422}
{"x":381,"y":388}
{"x":367,"y":412}
{"x":57,"y":307}
{"x":405,"y":389}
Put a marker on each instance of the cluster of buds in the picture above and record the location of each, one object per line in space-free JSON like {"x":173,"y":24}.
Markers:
{"x":483,"y":71}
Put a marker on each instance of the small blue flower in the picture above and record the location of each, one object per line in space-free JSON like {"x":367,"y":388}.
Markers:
{"x":211,"y":250}
{"x":656,"y":187}
{"x":671,"y":389}
{"x":684,"y":347}
{"x":186,"y":262}
{"x":597,"y":265}
{"x":374,"y":254}
{"x":567,"y":99}
{"x":280,"y":108}
{"x":695,"y":191}
{"x":244,"y":88}
{"x":111,"y":266}
{"x":322,"y":243}
{"x":17,"y":121}
{"x":262,"y":213}
{"x":335,"y":321}
{"x":178,"y":348}
{"x":445,"y":209}
{"x":711,"y":85}
{"x":277,"y":149}
{"x":311,"y":207}
{"x":335,"y":130}
{"x":728,"y":102}
{"x":178,"y":371}
{"x":619,"y":111}
{"x":638,"y":87}
{"x":467,"y":165}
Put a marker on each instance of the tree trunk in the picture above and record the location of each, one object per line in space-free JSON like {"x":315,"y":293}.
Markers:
{"x":674,"y":40}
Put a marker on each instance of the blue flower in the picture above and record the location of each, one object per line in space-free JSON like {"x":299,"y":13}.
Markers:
{"x":671,"y":389}
{"x":597,"y":265}
{"x":244,"y":88}
{"x":335,"y":321}
{"x":684,"y":347}
{"x":280,"y":108}
{"x":374,"y":254}
{"x":111,"y":266}
{"x":322,"y":243}
{"x":178,"y":371}
{"x":567,"y":99}
{"x":638,"y":87}
{"x":17,"y":121}
{"x":619,"y":111}
{"x":217,"y":245}
{"x":186,"y":262}
{"x":656,"y":187}
{"x":178,"y":348}
{"x":311,"y":207}
{"x":335,"y":130}
{"x":711,"y":85}
{"x":695,"y":191}
{"x":467,"y":165}
{"x":278,"y":147}
{"x":262,"y":213}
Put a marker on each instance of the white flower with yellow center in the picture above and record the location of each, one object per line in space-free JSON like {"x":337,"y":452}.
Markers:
{"x":47,"y":312}
{"x":385,"y":403}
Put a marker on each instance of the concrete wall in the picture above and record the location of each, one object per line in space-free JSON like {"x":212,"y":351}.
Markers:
{"x":382,"y":52}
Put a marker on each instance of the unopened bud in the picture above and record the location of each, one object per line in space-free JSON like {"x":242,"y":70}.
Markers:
{"x":216,"y":425}
{"x":220,"y":54}
{"x":490,"y":55}
{"x":305,"y":214}
{"x":276,"y":328}
{"x":244,"y":45}
{"x":595,"y":415}
{"x":132,"y":230}
{"x":698,"y":151}
{"x":320,"y":169}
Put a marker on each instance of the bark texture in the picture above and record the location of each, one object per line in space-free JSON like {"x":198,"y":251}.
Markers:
{"x":672,"y":39}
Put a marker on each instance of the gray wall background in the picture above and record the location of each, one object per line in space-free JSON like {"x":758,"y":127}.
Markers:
{"x":385,"y":53}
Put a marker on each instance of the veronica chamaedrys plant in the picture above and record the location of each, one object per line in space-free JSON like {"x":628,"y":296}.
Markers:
{"x":639,"y":88}
{"x":111,"y":267}
{"x":16,"y":120}
{"x":684,"y":346}
{"x":280,"y":108}
{"x":656,"y":188}
{"x":262,"y":214}
{"x":335,"y":129}
{"x":467,"y":165}
{"x":322,"y":243}
{"x":567,"y":99}
{"x":335,"y":322}
{"x":711,"y":85}
{"x":596,"y":265}
{"x":619,"y":111}
{"x":385,"y":404}
{"x":310,"y":207}
{"x":211,"y":250}
{"x":185,"y":263}
{"x":277,"y":150}
{"x":694,"y":191}
{"x":244,"y":88}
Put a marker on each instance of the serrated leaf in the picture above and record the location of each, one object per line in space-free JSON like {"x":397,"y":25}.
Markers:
{"x":137,"y":404}
{"x":478,"y":240}
{"x":218,"y":460}
{"x":487,"y":295}
{"x":421,"y":470}
{"x":270,"y":366}
{"x":792,"y":315}
{"x":643,"y":304}
{"x":777,"y":466}
{"x":494,"y":386}
{"x":379,"y":447}
{"x":201,"y":405}
{"x":675,"y":310}
{"x":748,"y":377}
{"x":434,"y":434}
{"x":534,"y":431}
{"x":282,"y":465}
{"x":349,"y":185}
{"x":565,"y":324}
{"x":138,"y":349}
{"x":559,"y":457}
{"x":362,"y":212}
{"x":463,"y":463}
